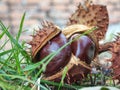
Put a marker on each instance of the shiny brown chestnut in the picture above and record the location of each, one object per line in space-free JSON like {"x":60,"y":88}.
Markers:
{"x":61,"y":59}
{"x":83,"y":48}
{"x":47,"y":40}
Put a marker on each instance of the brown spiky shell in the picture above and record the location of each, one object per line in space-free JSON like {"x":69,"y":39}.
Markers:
{"x":42,"y":36}
{"x":91,"y":15}
{"x":115,"y":49}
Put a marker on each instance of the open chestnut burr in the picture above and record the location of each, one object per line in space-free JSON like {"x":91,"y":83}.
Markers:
{"x":48,"y":40}
{"x":76,"y":56}
{"x":78,"y":66}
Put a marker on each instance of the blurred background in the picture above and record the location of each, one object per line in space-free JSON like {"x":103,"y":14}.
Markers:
{"x":57,"y":11}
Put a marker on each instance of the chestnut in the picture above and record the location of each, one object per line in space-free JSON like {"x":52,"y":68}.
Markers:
{"x":61,"y":59}
{"x":83,"y":48}
{"x":46,"y":41}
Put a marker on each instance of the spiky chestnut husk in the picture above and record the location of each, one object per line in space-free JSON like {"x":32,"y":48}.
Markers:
{"x":114,"y":47}
{"x":49,"y":39}
{"x":78,"y":69}
{"x":42,"y":36}
{"x":91,"y":15}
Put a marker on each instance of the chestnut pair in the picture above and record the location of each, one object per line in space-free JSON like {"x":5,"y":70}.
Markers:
{"x":77,"y":55}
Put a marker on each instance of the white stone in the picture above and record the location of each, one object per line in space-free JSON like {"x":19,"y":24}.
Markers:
{"x":99,"y":88}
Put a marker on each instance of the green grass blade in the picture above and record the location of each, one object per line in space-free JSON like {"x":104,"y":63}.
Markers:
{"x":57,"y":84}
{"x":6,"y":52}
{"x":6,"y":63}
{"x":22,"y":78}
{"x":15,"y":42}
{"x":17,"y":61}
{"x":20,"y":27}
{"x":4,"y":44}
{"x":33,"y":66}
{"x":63,"y":77}
{"x":2,"y":34}
{"x":7,"y":86}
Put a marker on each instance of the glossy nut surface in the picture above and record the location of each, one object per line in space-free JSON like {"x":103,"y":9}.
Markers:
{"x":83,"y":48}
{"x":61,"y":59}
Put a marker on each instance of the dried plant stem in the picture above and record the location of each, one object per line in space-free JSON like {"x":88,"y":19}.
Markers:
{"x":105,"y":47}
